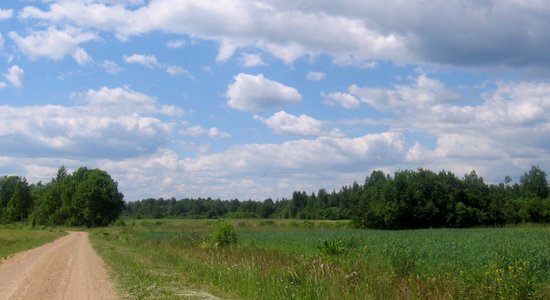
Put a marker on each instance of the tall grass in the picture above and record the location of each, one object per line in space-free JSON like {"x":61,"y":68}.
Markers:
{"x":16,"y":239}
{"x":314,"y":260}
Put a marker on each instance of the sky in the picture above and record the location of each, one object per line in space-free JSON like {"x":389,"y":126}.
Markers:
{"x":255,"y":99}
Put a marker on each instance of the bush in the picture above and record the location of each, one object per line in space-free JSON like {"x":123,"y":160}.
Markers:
{"x":223,"y":234}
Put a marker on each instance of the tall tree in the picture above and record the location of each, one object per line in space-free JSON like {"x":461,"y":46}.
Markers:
{"x":20,"y":204}
{"x":534,"y":183}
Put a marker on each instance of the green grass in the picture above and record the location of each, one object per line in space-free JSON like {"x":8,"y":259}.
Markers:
{"x":276,"y":259}
{"x":13,"y":240}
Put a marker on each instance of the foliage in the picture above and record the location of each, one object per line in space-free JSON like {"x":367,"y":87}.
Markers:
{"x":332,"y":247}
{"x":280,"y":261}
{"x":223,"y":234}
{"x":88,"y":197}
{"x":408,"y":199}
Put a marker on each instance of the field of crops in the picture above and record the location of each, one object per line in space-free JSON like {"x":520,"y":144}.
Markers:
{"x":275,"y":259}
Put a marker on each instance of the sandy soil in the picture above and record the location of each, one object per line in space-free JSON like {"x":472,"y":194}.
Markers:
{"x":67,"y":268}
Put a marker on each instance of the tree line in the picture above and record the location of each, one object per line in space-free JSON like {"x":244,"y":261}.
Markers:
{"x":87,"y":197}
{"x":408,"y":199}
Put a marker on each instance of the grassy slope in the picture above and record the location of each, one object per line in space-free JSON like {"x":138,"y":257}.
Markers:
{"x":305,"y":260}
{"x":17,"y":240}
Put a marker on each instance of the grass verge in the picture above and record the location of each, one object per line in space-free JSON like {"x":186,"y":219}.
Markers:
{"x":13,"y":240}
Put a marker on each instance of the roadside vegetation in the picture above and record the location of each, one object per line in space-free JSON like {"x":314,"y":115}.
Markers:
{"x":290,"y":259}
{"x":15,"y":239}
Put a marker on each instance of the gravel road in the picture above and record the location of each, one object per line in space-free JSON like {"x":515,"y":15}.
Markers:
{"x":67,"y":268}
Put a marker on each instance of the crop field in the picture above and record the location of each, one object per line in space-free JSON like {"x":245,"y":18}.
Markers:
{"x":279,"y":259}
{"x":14,"y":239}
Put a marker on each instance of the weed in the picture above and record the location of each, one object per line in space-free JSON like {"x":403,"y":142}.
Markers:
{"x":333,"y":247}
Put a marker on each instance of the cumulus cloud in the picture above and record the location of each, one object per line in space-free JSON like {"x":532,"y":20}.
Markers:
{"x":197,"y":131}
{"x":255,"y":93}
{"x":252,"y":60}
{"x":344,"y":99}
{"x":241,"y":171}
{"x":506,"y":132}
{"x":375,"y":149}
{"x":315,"y":76}
{"x":5,"y":14}
{"x":111,"y":123}
{"x":15,"y":76}
{"x":54,"y":44}
{"x":176,"y":70}
{"x":503,"y":33}
{"x":175,"y":44}
{"x":78,"y":131}
{"x":122,"y":100}
{"x":284,"y":33}
{"x":149,"y":61}
{"x":81,"y":56}
{"x":111,"y":67}
{"x":423,"y":93}
{"x":285,"y":123}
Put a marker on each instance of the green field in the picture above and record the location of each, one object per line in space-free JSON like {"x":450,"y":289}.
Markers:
{"x":13,"y":239}
{"x":276,"y":259}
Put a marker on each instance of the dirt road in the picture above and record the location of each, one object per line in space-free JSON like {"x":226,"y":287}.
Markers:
{"x":67,"y":268}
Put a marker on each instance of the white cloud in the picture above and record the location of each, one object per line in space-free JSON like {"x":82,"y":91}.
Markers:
{"x":252,"y":60}
{"x":315,"y":76}
{"x":122,"y":2}
{"x":285,"y":123}
{"x":423,"y":93}
{"x":175,"y":44}
{"x":2,"y":85}
{"x":344,"y":99}
{"x":6,"y":14}
{"x":175,"y":71}
{"x":122,"y":100}
{"x":15,"y":76}
{"x":111,"y":67}
{"x":255,"y":171}
{"x":149,"y":61}
{"x":503,"y":33}
{"x":81,"y":57}
{"x":506,"y":132}
{"x":53,"y":44}
{"x":286,"y":34}
{"x":44,"y":131}
{"x":112,"y":123}
{"x":256,"y":93}
{"x":373,"y":149}
{"x":197,"y":131}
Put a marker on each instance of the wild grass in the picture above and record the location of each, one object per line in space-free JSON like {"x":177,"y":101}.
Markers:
{"x":15,"y":239}
{"x":326,"y":260}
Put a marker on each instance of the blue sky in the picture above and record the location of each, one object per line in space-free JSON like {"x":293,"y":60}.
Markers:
{"x":255,"y":99}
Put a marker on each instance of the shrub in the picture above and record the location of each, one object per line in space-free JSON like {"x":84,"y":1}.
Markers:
{"x":223,"y":234}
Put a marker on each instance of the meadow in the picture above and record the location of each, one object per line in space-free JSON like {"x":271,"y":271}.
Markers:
{"x":283,"y":259}
{"x":15,"y":238}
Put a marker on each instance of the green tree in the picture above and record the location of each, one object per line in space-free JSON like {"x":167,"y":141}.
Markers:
{"x":20,"y":204}
{"x":534,"y":183}
{"x":97,"y":201}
